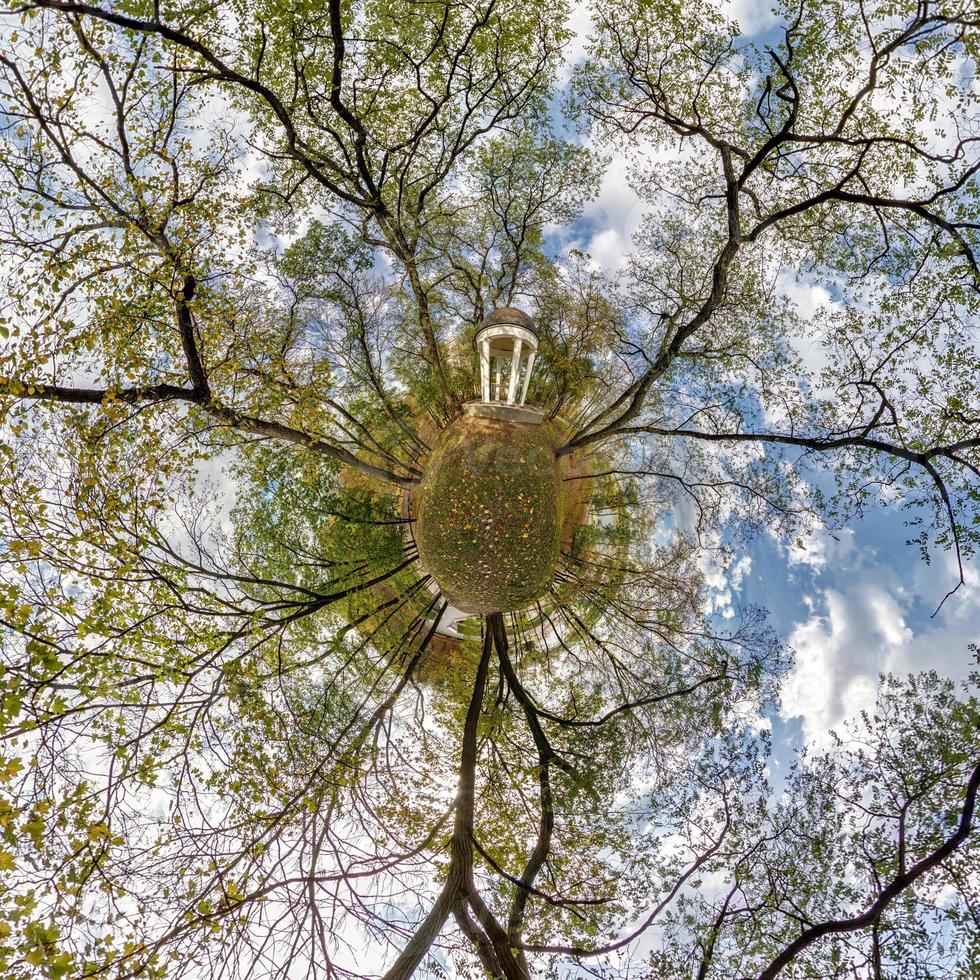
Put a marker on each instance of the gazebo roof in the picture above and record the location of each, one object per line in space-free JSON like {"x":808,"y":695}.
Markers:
{"x":505,"y":316}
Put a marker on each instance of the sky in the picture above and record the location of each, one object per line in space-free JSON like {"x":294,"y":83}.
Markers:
{"x":855,"y":603}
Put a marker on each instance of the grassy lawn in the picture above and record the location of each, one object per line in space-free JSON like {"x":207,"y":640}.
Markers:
{"x":490,"y":513}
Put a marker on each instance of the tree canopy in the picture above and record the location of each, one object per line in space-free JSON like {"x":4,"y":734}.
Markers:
{"x":246,"y":246}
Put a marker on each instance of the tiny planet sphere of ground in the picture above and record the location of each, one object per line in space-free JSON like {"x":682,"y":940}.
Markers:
{"x":488,"y":520}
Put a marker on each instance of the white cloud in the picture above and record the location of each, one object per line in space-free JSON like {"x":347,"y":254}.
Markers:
{"x":580,"y":23}
{"x":820,"y":546}
{"x":723,"y":581}
{"x":617,"y":210}
{"x":840,"y":651}
{"x":753,"y":16}
{"x":813,"y":302}
{"x":941,"y":644}
{"x":608,"y":250}
{"x":866,"y":623}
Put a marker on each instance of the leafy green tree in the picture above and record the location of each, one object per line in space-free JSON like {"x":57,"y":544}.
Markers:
{"x":246,"y":247}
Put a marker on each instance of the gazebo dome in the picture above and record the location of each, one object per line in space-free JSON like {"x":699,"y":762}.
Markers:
{"x":506,"y":315}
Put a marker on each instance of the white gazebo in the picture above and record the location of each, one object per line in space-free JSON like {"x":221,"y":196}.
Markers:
{"x":507,"y":344}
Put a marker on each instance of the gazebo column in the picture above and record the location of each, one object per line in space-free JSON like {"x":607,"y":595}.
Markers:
{"x":527,"y":375}
{"x":500,"y":378}
{"x":515,"y":370}
{"x":485,"y":369}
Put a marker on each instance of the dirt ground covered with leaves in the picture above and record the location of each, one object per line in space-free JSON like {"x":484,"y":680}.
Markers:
{"x":490,"y":513}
